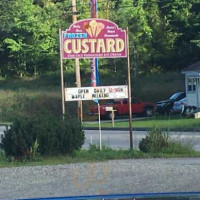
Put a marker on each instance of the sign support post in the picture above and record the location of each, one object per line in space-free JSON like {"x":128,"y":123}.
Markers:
{"x":129,"y":91}
{"x":100,"y":144}
{"x":61,"y":73}
{"x":93,"y":14}
{"x":77,"y":66}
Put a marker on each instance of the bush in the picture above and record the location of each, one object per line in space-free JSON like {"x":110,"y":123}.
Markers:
{"x":154,"y":142}
{"x":18,"y":141}
{"x":175,"y":147}
{"x":158,"y":142}
{"x":43,"y":133}
{"x":58,"y":136}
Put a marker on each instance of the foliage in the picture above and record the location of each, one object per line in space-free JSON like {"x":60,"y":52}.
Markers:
{"x":30,"y":42}
{"x":44,"y":134}
{"x":158,"y":142}
{"x":154,"y":142}
{"x":178,"y":148}
{"x":164,"y":35}
{"x":2,"y":156}
{"x":18,"y":141}
{"x":58,"y":136}
{"x":171,"y":123}
{"x":22,"y":103}
{"x":94,"y":153}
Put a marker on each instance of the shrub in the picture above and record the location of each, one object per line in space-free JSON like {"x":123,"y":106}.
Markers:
{"x":158,"y":142}
{"x":154,"y":142}
{"x":58,"y":136}
{"x":175,"y":147}
{"x":18,"y":141}
{"x":43,"y":133}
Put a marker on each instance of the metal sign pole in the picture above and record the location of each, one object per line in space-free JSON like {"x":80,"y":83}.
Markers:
{"x":100,"y":144}
{"x":93,"y":14}
{"x":129,"y":92}
{"x":61,"y":73}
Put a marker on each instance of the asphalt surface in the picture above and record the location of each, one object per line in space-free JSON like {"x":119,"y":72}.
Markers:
{"x":112,"y":177}
{"x":118,"y":139}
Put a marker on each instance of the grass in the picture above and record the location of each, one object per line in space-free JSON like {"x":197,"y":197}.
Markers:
{"x":85,"y":156}
{"x":173,"y":122}
{"x":175,"y":150}
{"x":78,"y":157}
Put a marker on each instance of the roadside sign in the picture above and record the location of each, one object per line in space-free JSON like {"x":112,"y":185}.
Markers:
{"x":94,"y":38}
{"x":92,"y":93}
{"x":109,"y":108}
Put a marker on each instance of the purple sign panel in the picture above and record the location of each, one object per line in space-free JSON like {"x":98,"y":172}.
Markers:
{"x":94,"y":38}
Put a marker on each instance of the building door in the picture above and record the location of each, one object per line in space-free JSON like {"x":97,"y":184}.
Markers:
{"x":198,"y":92}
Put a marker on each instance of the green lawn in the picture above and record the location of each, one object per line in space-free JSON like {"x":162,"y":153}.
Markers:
{"x":173,"y":122}
{"x":95,"y":156}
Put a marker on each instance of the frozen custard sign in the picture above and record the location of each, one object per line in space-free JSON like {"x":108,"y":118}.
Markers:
{"x":94,"y":38}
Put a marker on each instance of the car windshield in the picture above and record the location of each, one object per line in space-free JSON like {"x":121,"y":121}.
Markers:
{"x":175,"y":96}
{"x":183,"y":100}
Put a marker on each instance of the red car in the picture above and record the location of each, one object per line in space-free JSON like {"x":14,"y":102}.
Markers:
{"x":121,"y":107}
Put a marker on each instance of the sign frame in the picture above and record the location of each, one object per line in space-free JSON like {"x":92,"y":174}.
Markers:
{"x":94,"y":38}
{"x":99,"y":92}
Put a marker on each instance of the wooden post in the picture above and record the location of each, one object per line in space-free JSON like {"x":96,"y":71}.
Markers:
{"x":77,"y":66}
{"x":61,"y":73}
{"x":129,"y":91}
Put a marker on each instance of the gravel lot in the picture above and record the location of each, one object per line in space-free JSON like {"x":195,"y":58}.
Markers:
{"x":113,"y":177}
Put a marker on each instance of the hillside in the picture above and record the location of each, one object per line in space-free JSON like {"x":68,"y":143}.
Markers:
{"x":30,"y":95}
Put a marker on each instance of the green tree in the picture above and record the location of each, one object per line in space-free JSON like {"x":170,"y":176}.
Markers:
{"x":29,"y":45}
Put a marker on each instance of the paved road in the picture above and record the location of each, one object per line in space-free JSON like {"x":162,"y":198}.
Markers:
{"x":120,"y":139}
{"x":113,"y":177}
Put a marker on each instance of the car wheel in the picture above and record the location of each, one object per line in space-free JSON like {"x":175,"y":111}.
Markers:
{"x":148,"y":112}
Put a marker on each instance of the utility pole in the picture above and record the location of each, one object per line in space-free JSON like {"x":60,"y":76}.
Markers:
{"x":94,"y":61}
{"x":77,"y":65}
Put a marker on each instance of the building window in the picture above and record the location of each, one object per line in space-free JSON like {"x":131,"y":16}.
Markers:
{"x":192,"y":82}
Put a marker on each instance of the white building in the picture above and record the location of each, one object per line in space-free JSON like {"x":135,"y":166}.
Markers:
{"x":192,"y":84}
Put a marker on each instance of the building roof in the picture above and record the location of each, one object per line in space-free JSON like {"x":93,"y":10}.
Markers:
{"x":193,"y":68}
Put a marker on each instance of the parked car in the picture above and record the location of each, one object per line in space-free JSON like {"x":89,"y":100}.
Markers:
{"x":179,"y":105}
{"x":166,"y":106}
{"x":190,"y":112}
{"x":121,"y":107}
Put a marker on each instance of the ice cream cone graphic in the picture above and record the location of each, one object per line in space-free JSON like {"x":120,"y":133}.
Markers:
{"x":93,"y":26}
{"x":100,"y":26}
{"x":87,"y":28}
